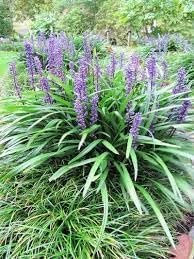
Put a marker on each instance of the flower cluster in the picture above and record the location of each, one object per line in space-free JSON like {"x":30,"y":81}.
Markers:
{"x":12,"y":69}
{"x":30,"y":62}
{"x":181,"y":82}
{"x":89,"y":88}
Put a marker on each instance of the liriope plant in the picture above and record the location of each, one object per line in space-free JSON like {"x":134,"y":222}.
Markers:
{"x":124,"y":123}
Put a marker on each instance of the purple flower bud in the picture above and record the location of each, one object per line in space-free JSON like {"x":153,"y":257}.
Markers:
{"x":181,"y":82}
{"x":38,"y":65}
{"x":46,"y":89}
{"x":111,"y":68}
{"x":135,"y":125}
{"x":94,"y":109}
{"x":30,"y":62}
{"x":87,"y":49}
{"x":55,"y":57}
{"x":183,"y":110}
{"x":80,"y":113}
{"x":12,"y":69}
{"x":135,"y":61}
{"x":151,"y":68}
{"x":42,"y":43}
{"x":129,"y":78}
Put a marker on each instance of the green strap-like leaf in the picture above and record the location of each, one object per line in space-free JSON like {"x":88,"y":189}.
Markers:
{"x":127,"y":183}
{"x":109,"y":146}
{"x":134,"y":162}
{"x":129,"y":143}
{"x":93,"y":170}
{"x":66,"y":168}
{"x":86,"y":150}
{"x":104,"y":194}
{"x":158,"y":213}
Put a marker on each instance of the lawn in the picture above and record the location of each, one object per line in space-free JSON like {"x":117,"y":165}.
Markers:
{"x":5,"y":58}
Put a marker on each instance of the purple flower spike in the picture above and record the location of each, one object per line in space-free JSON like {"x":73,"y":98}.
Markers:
{"x":80,"y":113}
{"x":183,"y":110}
{"x":94,"y":109}
{"x":30,"y":62}
{"x":87,"y":49}
{"x":55,"y":56}
{"x":181,"y":82}
{"x":46,"y":89}
{"x":135,"y":125}
{"x":38,"y":65}
{"x":80,"y":93}
{"x":42,"y":42}
{"x":12,"y":69}
{"x":129,"y":77}
{"x":135,"y":61}
{"x":151,"y":68}
{"x":112,"y":66}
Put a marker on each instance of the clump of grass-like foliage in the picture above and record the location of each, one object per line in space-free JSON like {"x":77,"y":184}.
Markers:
{"x":121,"y":127}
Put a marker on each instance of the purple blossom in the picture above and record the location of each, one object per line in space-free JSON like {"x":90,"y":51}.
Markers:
{"x":135,"y":125}
{"x":38,"y":65}
{"x":183,"y":110}
{"x":46,"y":89}
{"x":55,"y":57}
{"x":12,"y":69}
{"x":181,"y":82}
{"x":42,"y":43}
{"x":129,"y":78}
{"x":30,"y":62}
{"x":87,"y":49}
{"x":111,"y":68}
{"x":94,"y":109}
{"x":80,"y":113}
{"x":135,"y":61}
{"x":151,"y":69}
{"x":80,"y":93}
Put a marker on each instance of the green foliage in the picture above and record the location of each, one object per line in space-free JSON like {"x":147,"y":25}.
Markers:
{"x":29,"y":8}
{"x":35,"y":135}
{"x":6,"y":26}
{"x":44,"y":22}
{"x":11,"y":46}
{"x":38,"y":218}
{"x":75,"y":21}
{"x":185,"y":60}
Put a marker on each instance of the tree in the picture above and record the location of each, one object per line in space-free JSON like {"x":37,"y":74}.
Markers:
{"x":6,"y":25}
{"x":29,"y":8}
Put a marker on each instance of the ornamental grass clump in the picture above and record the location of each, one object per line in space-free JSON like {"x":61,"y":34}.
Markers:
{"x":111,"y":127}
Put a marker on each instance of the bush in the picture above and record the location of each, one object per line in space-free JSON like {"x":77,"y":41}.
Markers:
{"x":44,"y":22}
{"x":116,"y":128}
{"x":11,"y":46}
{"x":6,"y":26}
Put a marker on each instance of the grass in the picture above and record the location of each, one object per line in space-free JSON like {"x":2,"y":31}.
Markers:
{"x":5,"y":58}
{"x":52,"y":220}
